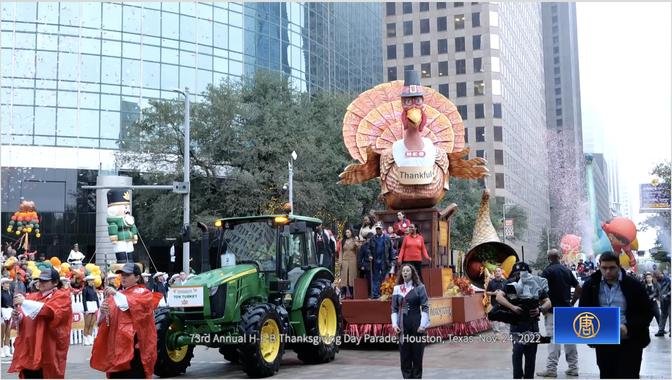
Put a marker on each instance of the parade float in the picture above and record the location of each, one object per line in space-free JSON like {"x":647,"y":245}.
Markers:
{"x":24,"y":223}
{"x":412,"y":139}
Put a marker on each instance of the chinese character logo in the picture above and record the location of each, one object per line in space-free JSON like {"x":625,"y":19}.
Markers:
{"x":586,"y":325}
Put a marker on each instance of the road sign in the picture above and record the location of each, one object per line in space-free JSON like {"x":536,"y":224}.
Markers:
{"x":508,"y":228}
{"x":654,"y":197}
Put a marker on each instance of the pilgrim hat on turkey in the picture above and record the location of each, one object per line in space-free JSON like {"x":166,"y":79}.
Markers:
{"x":412,"y":87}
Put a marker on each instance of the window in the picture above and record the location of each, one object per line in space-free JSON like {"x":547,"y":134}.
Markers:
{"x":480,"y":134}
{"x":499,"y":157}
{"x":409,"y":67}
{"x":442,"y":46}
{"x":476,"y":42}
{"x":479,"y":111}
{"x":554,"y":9}
{"x":408,"y":28}
{"x":466,"y":135}
{"x":499,"y":180}
{"x":443,"y":89}
{"x":555,"y":40}
{"x":480,"y":153}
{"x":408,"y":50}
{"x":556,"y":60}
{"x":425,"y":48}
{"x":459,"y":22}
{"x":391,"y":73}
{"x":554,"y":19}
{"x":557,"y":91}
{"x":391,"y":51}
{"x":556,"y":50}
{"x":497,"y":110}
{"x":426,"y":70}
{"x":424,"y":6}
{"x":391,"y":29}
{"x":457,"y":5}
{"x":556,"y":70}
{"x":459,"y":44}
{"x":558,"y":102}
{"x":407,"y":7}
{"x":424,"y":25}
{"x":461,"y":66}
{"x":390,"y":7}
{"x":479,"y":88}
{"x":558,"y":112}
{"x":443,"y":68}
{"x":475,"y":19}
{"x":556,"y":81}
{"x":441,"y":24}
{"x":463,"y":111}
{"x":558,"y":123}
{"x":478,"y":65}
{"x":461,"y":89}
{"x":498,"y":133}
{"x":440,"y":5}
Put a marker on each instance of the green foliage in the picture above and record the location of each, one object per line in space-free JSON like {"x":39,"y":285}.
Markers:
{"x":467,"y":195}
{"x":541,"y":261}
{"x":515,"y":212}
{"x":242,"y":135}
{"x":660,"y":221}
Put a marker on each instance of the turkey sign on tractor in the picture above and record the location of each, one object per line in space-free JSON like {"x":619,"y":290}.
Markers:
{"x":272,"y":296}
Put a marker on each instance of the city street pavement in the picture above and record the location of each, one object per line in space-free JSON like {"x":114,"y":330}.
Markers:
{"x":476,"y":359}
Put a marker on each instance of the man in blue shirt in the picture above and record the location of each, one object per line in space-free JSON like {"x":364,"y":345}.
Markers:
{"x":611,"y":287}
{"x":381,"y":254}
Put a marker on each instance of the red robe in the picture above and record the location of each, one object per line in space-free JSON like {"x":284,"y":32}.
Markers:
{"x":43,"y":342}
{"x":113,"y":348}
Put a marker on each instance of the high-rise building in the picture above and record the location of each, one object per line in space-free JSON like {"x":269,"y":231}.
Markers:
{"x":566,"y":170}
{"x":487,"y":58}
{"x":600,"y":179}
{"x":76,"y":75}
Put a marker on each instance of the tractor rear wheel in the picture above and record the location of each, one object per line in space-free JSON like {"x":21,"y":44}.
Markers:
{"x":169,"y":362}
{"x":264,"y":346}
{"x":323,"y":321}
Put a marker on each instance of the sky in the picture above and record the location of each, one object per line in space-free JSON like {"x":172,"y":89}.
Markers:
{"x":625,"y":72}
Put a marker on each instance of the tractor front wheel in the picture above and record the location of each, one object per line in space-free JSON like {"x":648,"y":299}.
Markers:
{"x":169,"y":361}
{"x":264,"y":345}
{"x":323,"y":321}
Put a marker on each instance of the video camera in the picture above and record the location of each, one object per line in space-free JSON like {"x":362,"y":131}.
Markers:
{"x":503,"y":314}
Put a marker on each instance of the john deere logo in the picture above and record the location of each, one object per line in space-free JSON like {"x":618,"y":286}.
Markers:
{"x":586,"y":325}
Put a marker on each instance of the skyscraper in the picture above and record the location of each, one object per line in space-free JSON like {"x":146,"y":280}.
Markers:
{"x":75,"y":76}
{"x":567,"y":188}
{"x":486,"y":58}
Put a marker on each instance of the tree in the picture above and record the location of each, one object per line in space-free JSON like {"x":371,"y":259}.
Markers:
{"x":242,"y":135}
{"x":541,"y":261}
{"x":517,"y":214}
{"x":467,"y":195}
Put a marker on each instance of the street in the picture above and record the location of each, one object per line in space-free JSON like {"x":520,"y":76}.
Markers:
{"x":477,"y":359}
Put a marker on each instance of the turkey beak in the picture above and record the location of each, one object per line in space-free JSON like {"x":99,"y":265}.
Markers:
{"x":415,"y":116}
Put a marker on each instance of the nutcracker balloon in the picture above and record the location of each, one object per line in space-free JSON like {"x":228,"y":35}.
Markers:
{"x":121,"y":224}
{"x":621,"y":233}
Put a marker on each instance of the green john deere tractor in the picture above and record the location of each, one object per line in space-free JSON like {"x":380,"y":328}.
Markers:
{"x":275,"y":297}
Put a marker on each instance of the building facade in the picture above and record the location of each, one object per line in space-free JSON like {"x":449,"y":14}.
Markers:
{"x":487,"y":58}
{"x":75,"y":76}
{"x":600,"y":174}
{"x":567,"y":186}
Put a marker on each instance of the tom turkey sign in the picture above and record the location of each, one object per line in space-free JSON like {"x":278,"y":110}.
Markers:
{"x":185,"y":296}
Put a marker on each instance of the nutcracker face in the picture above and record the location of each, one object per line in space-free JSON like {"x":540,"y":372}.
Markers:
{"x":119,"y":210}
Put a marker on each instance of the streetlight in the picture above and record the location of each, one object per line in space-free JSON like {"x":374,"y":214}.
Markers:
{"x":290,"y":165}
{"x":185,"y":227}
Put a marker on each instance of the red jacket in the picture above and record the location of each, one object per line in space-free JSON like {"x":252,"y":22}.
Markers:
{"x":113,"y":348}
{"x":400,"y":226}
{"x":43,"y":342}
{"x":413,"y":249}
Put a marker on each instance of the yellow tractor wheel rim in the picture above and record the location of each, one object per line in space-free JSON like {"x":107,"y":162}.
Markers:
{"x":178,"y":354}
{"x":270,"y":341}
{"x":327,"y":321}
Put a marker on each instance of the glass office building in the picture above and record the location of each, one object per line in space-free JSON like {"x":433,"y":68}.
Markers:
{"x":74,"y":76}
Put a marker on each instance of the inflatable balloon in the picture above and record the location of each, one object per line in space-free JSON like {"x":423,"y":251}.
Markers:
{"x":570,"y":245}
{"x":621,"y":233}
{"x":97,"y":281}
{"x":89,"y":267}
{"x":55,"y":262}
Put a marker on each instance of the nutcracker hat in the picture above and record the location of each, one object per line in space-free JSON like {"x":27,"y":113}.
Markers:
{"x":118,"y":197}
{"x":49,"y":274}
{"x":130,"y":268}
{"x":412,"y":87}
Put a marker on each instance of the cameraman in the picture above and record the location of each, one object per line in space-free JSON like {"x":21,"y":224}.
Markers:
{"x":526,"y":295}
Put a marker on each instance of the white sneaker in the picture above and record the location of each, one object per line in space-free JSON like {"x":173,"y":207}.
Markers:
{"x":6,"y":352}
{"x":2,"y":353}
{"x":86,"y":340}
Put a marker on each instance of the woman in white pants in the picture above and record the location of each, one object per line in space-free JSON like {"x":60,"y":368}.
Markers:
{"x":7,"y":298}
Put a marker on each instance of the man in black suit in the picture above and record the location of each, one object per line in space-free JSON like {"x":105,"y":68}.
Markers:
{"x":611,"y":287}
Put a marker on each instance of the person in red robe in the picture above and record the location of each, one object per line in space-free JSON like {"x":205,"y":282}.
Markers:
{"x":43,"y":322}
{"x":125,"y":346}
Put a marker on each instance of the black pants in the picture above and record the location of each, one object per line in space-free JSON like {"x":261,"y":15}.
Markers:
{"x":136,"y":371}
{"x":418,"y":267}
{"x":656,"y":313}
{"x":32,"y":374}
{"x":124,"y":257}
{"x":529,"y":351}
{"x":619,"y":361}
{"x":411,"y":350}
{"x":664,"y":314}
